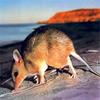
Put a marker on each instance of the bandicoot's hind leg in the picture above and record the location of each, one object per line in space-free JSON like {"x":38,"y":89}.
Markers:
{"x":72,"y":68}
{"x":42,"y":70}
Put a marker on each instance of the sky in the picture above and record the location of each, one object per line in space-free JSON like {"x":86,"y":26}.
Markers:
{"x":30,"y":11}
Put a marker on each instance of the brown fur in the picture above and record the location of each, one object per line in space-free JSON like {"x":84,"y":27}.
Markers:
{"x":47,"y":47}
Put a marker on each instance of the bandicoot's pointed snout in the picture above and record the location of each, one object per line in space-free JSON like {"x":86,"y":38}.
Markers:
{"x":19,"y":79}
{"x":19,"y":74}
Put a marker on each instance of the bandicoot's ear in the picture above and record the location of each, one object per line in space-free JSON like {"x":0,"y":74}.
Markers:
{"x":16,"y":55}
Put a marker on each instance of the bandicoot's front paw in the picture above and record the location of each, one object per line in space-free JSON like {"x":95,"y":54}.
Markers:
{"x":42,"y":81}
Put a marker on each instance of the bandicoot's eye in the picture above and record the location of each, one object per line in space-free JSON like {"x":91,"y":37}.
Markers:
{"x":15,"y":74}
{"x":15,"y":71}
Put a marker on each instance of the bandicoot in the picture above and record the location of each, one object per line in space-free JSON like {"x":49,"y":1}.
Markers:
{"x":43,"y":47}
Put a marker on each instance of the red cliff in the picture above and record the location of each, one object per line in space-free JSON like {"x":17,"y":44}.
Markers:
{"x":81,"y":15}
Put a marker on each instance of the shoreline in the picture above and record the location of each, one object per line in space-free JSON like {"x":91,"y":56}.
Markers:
{"x":8,"y":43}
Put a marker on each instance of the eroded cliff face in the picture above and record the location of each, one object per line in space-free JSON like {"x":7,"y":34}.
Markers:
{"x":80,"y":15}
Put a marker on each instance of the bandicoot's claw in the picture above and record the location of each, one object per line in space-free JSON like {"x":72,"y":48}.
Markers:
{"x":74,"y":76}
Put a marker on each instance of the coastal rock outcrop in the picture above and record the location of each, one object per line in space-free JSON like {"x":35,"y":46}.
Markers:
{"x":79,"y":15}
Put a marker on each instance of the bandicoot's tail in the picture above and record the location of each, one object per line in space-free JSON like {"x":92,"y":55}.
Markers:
{"x":80,"y":59}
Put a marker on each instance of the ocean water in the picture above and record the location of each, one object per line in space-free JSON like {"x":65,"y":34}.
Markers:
{"x":16,"y":32}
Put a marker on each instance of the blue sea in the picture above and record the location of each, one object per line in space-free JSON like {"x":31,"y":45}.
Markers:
{"x":15,"y":32}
